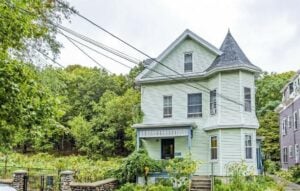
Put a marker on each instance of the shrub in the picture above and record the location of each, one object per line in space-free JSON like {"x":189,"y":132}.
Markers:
{"x":271,"y":166}
{"x":137,"y":164}
{"x":242,"y":178}
{"x":180,"y":170}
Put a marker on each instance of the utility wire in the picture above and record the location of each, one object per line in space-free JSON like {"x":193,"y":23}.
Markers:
{"x":143,"y":53}
{"x":174,"y":79}
{"x":98,"y":44}
{"x":54,"y":61}
{"x":85,"y":53}
{"x":100,"y":53}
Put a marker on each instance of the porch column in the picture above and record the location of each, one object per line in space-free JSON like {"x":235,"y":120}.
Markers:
{"x":190,"y":139}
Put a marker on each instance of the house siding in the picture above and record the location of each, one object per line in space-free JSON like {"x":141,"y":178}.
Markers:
{"x":202,"y":58}
{"x":229,"y":123}
{"x":293,"y":136}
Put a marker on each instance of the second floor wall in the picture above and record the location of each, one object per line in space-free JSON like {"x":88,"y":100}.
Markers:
{"x":230,"y":101}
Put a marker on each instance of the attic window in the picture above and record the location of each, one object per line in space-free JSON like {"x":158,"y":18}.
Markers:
{"x":188,"y":62}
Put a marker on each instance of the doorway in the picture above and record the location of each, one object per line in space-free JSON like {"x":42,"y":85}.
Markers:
{"x":167,"y":148}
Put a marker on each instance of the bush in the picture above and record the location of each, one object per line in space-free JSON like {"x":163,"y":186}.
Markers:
{"x":241,"y":178}
{"x":136,"y":164}
{"x":292,"y":174}
{"x":180,"y":170}
{"x":271,"y":166}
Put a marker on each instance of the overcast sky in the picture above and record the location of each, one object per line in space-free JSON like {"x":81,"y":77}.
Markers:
{"x":268,"y":31}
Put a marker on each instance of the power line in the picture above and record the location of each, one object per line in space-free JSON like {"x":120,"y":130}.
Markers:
{"x":143,"y":53}
{"x":87,"y":55}
{"x":54,"y":61}
{"x":100,"y":53}
{"x":174,"y":79}
{"x":100,"y":45}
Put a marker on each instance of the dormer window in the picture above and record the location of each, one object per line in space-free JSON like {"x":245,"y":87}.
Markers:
{"x":188,"y":62}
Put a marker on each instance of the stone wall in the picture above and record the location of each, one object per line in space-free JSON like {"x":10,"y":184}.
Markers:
{"x":103,"y":185}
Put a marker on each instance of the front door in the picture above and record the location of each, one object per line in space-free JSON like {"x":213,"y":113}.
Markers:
{"x":167,"y":148}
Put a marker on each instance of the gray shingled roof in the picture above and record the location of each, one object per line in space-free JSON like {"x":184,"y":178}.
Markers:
{"x":232,"y":56}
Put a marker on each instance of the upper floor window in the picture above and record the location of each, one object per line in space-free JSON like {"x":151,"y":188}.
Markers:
{"x":291,"y":88}
{"x":248,"y":146}
{"x":188,"y":62}
{"x":167,"y":106}
{"x":194,"y":105}
{"x":214,"y":148}
{"x":247,"y":99}
{"x":284,"y":130}
{"x":296,"y":119}
{"x":285,"y":155}
{"x":290,"y":151}
{"x":213,"y":102}
{"x":289,"y":122}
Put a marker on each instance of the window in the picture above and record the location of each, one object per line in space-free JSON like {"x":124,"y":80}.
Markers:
{"x":214,"y":148}
{"x":296,"y":153}
{"x":167,"y":148}
{"x":290,"y":151}
{"x":285,"y":155}
{"x":291,"y":88}
{"x":213,"y":102}
{"x":247,"y":99}
{"x":289,"y":122}
{"x":296,"y":120}
{"x":248,"y":146}
{"x":167,"y":106}
{"x":284,"y":130}
{"x":194,"y":105}
{"x":188,"y":62}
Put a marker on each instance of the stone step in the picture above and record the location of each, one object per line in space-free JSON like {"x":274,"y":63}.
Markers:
{"x":200,"y":184}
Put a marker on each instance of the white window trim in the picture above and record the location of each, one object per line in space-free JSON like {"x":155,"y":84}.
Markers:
{"x":247,"y":99}
{"x":218,"y":145}
{"x":252,"y":152}
{"x":290,"y":151}
{"x":297,"y":153}
{"x":289,"y":122}
{"x":216,"y":110}
{"x":284,"y":130}
{"x":166,"y":117}
{"x":283,"y":154}
{"x":296,"y":122}
{"x":190,"y":52}
{"x":201,"y":105}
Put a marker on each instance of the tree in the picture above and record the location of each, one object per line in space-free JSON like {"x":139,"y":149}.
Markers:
{"x":268,"y":96}
{"x":113,"y":120}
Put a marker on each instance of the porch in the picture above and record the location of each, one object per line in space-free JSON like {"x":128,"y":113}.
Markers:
{"x":165,"y":140}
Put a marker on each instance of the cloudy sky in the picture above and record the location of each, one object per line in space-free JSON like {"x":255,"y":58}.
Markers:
{"x":268,"y":31}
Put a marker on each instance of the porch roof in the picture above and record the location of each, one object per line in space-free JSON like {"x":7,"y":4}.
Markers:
{"x":164,"y":125}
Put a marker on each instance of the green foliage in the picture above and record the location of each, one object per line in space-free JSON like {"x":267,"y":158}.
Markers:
{"x":268,"y":96}
{"x":241,"y":178}
{"x":154,"y":187}
{"x":81,"y":130}
{"x":271,"y":166}
{"x":292,"y":174}
{"x":180,"y":170}
{"x":136,"y":164}
{"x":86,"y":170}
{"x":114,"y":116}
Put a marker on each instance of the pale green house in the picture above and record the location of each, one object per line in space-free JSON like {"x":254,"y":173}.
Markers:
{"x":201,"y":100}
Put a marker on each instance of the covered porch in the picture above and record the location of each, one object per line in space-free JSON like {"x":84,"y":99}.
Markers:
{"x":165,"y":140}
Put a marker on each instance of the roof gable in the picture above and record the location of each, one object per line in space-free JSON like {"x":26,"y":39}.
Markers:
{"x":186,"y":34}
